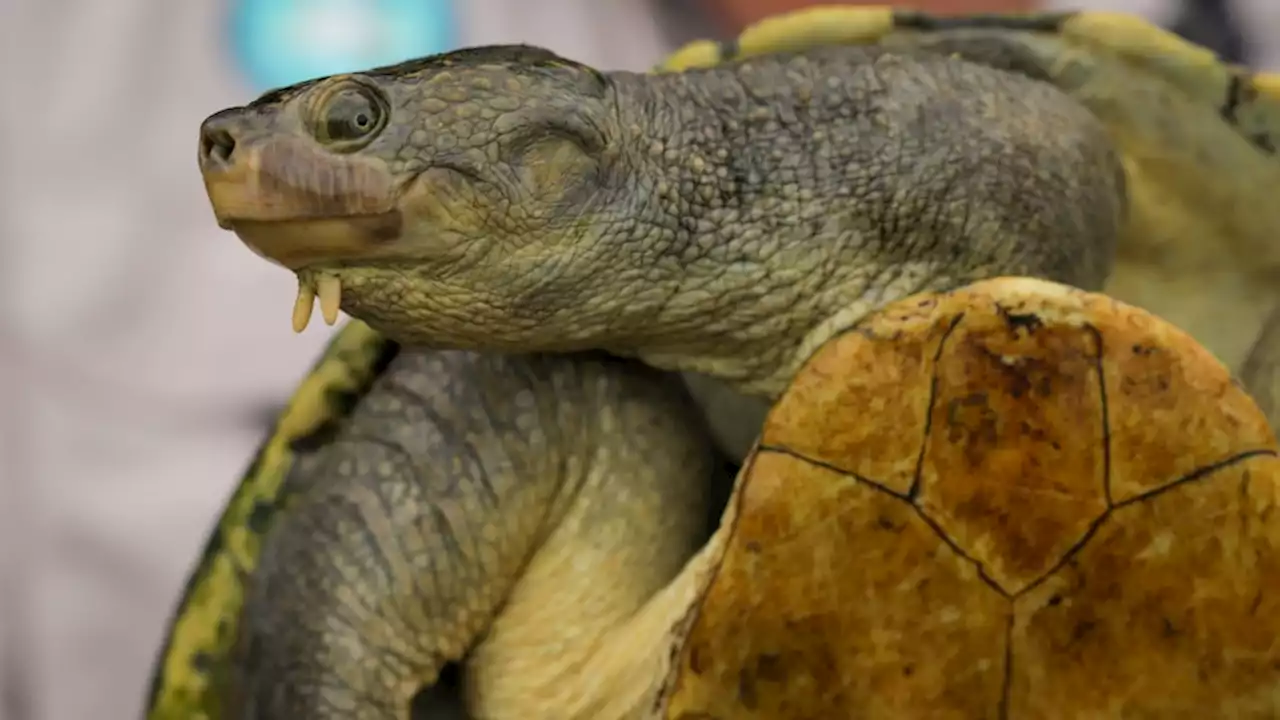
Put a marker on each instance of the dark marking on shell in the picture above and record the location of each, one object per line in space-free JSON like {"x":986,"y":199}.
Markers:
{"x":1038,"y":22}
{"x":729,"y":49}
{"x":340,"y":405}
{"x":1235,"y":93}
{"x":1028,"y":322}
{"x":1240,"y":92}
{"x":260,"y":517}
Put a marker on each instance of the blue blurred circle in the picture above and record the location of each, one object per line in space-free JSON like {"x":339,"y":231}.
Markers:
{"x":281,"y":42}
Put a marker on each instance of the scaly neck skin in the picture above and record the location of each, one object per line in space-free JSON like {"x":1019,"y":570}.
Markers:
{"x":745,"y":213}
{"x":727,"y":236}
{"x":754,"y":214}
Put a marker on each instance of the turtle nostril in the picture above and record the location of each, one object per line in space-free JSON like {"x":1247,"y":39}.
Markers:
{"x":216,"y":147}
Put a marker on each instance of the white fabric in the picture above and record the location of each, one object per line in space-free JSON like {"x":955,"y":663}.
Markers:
{"x":141,"y":348}
{"x":1261,"y":22}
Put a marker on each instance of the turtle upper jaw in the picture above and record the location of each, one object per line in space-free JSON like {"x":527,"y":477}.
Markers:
{"x":290,"y":200}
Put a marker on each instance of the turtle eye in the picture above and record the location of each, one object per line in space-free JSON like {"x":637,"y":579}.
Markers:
{"x":350,"y":117}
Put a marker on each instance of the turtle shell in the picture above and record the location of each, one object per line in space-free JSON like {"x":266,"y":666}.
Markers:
{"x":189,"y":678}
{"x":1016,"y":500}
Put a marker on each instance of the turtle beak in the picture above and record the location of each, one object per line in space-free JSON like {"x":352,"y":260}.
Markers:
{"x":289,"y":199}
{"x":219,"y":162}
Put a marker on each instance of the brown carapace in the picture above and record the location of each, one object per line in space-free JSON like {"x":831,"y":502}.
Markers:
{"x":1017,"y":500}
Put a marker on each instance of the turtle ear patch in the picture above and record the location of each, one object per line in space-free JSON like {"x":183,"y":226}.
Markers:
{"x":555,"y":166}
{"x":557,"y":157}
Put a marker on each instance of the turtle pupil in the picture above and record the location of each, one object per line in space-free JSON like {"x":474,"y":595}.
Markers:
{"x":351,"y":115}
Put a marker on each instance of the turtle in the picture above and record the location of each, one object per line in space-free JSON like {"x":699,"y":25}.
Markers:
{"x":212,"y":637}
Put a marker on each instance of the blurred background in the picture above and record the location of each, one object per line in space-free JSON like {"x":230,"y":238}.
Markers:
{"x":144,"y":352}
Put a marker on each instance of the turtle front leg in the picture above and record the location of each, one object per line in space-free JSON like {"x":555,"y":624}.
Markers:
{"x":408,"y":532}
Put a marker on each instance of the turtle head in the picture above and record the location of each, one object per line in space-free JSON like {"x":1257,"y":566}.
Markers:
{"x":428,"y":198}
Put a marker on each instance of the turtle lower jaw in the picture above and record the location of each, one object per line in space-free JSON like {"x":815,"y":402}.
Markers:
{"x":307,"y":247}
{"x":299,"y":243}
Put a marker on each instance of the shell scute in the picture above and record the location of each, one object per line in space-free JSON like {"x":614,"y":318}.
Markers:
{"x":1080,"y":522}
